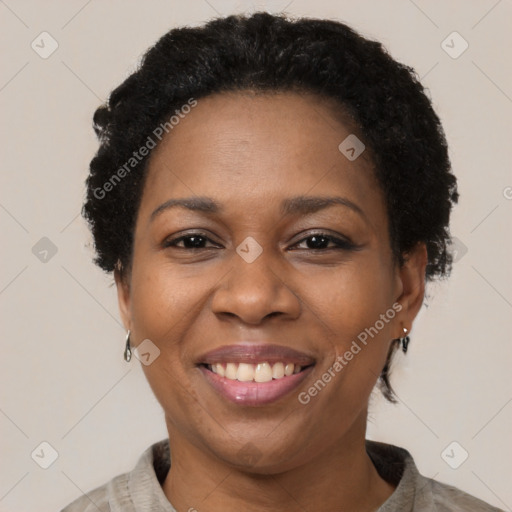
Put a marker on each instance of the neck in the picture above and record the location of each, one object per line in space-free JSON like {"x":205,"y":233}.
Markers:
{"x":343,"y":477}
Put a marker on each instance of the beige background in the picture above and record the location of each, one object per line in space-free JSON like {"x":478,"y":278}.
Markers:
{"x":63,"y":379}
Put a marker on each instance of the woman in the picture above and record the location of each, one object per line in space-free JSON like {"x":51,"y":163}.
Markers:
{"x":271,"y":196}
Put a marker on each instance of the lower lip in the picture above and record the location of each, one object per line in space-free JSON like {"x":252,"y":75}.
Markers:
{"x":254,"y":393}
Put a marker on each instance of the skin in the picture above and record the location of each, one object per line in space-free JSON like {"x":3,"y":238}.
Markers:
{"x":249,"y":152}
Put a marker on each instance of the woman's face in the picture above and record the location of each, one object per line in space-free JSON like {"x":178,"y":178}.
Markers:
{"x":259,"y":270}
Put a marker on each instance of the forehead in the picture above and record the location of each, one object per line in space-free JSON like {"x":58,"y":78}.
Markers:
{"x":247,"y":150}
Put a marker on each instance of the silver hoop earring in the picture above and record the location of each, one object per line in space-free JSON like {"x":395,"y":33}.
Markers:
{"x":127,"y":349}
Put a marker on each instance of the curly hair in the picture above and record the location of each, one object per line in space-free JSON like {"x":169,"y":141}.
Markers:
{"x":274,"y":53}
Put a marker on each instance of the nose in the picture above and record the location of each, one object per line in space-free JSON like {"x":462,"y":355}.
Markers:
{"x":256,"y":290}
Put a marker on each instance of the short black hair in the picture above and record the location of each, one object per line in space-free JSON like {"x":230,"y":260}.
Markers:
{"x":275,"y":53}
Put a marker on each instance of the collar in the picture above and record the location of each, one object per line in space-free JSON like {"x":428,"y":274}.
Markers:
{"x":141,"y":489}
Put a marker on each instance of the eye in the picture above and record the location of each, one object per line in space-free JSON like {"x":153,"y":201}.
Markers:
{"x":191,"y":241}
{"x":320,"y":241}
{"x":315,"y":242}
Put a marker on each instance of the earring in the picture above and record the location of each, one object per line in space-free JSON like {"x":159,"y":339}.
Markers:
{"x":405,"y":341}
{"x":127,"y":350}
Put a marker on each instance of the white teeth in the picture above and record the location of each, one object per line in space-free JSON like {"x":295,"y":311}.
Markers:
{"x":245,"y":372}
{"x":231,"y":371}
{"x":261,"y":372}
{"x":278,"y":371}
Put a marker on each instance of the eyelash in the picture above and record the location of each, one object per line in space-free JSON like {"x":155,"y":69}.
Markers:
{"x":341,"y":244}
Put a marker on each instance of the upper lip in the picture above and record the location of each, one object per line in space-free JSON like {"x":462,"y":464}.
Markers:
{"x":250,"y":352}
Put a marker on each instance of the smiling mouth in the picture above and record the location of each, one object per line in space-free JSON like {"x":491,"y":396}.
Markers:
{"x":259,"y":372}
{"x":254,"y":385}
{"x":254,"y":374}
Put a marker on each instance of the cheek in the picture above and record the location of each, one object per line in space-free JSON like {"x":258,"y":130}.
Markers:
{"x":357,"y":309}
{"x":165,"y":306}
{"x":178,"y":400}
{"x":162,"y":302}
{"x":352,"y":299}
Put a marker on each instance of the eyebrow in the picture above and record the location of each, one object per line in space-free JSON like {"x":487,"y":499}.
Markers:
{"x":299,"y":205}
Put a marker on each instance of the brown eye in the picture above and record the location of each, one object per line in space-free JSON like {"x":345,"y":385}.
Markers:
{"x":191,"y":241}
{"x":321,"y":241}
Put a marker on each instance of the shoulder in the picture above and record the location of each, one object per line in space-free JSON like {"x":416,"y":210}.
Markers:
{"x":415,"y":492}
{"x":125,"y":489}
{"x":450,"y":499}
{"x":97,"y":500}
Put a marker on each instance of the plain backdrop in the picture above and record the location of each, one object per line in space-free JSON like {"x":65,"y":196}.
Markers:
{"x":63,"y":379}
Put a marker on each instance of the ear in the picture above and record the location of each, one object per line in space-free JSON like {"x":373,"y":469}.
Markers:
{"x":412,"y":277}
{"x":123,"y":297}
